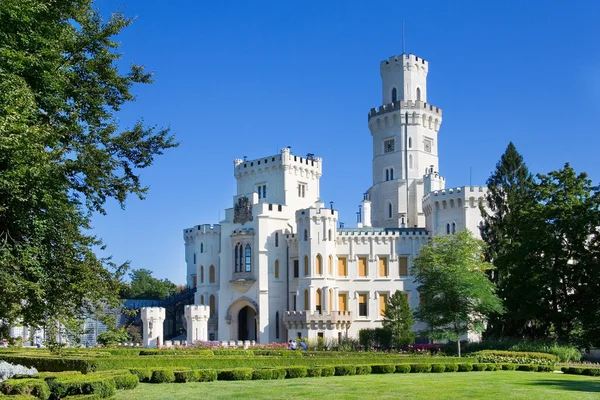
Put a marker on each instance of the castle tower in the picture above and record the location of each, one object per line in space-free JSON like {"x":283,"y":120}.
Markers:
{"x":405,"y":147}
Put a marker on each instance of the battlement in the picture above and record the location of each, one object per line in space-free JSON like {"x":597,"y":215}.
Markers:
{"x":197,"y":312}
{"x":152,"y":313}
{"x":434,"y":175}
{"x":285,"y":158}
{"x":461,"y":191}
{"x":203,"y":229}
{"x":403,"y":59}
{"x":405,"y":105}
{"x":319,"y":211}
{"x":382,"y":232}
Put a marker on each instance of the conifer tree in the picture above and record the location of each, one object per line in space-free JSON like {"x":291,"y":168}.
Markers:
{"x":398,"y":320}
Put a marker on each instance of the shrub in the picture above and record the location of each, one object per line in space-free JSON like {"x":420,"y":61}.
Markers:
{"x":527,"y":367}
{"x":100,"y":385}
{"x":403,"y":368}
{"x":343,"y":370}
{"x":438,"y":368}
{"x":313,"y":372}
{"x":383,"y":369}
{"x":545,"y":368}
{"x":143,"y":374}
{"x":296,"y":372}
{"x":591,"y":372}
{"x":262,"y":374}
{"x":7,"y":371}
{"x":184,"y":376}
{"x":31,"y":386}
{"x":233,"y":352}
{"x":162,"y":376}
{"x":420,"y":367}
{"x":479,"y":367}
{"x":451,"y":367}
{"x":499,"y":356}
{"x":279,"y":373}
{"x":492,"y":367}
{"x":126,"y":381}
{"x":279,"y":353}
{"x":509,"y":367}
{"x":465,"y":367}
{"x":327,"y":371}
{"x":205,"y":375}
{"x":563,"y":353}
{"x":236,"y":374}
{"x":573,"y":370}
{"x":366,"y":369}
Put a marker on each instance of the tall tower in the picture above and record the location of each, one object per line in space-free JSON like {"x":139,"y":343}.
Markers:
{"x":405,"y":147}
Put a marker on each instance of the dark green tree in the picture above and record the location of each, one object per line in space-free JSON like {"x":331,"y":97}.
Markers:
{"x":398,"y":320}
{"x":456,"y":294}
{"x":62,"y":155}
{"x":144,"y":286}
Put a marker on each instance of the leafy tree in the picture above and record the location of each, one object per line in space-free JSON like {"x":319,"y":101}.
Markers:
{"x":144,"y":286}
{"x":398,"y":320}
{"x":456,"y":294}
{"x":113,"y":336}
{"x":62,"y":156}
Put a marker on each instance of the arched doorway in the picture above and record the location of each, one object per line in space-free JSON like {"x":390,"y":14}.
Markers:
{"x":247,"y":324}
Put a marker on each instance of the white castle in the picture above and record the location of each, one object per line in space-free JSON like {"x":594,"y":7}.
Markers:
{"x":279,"y":266}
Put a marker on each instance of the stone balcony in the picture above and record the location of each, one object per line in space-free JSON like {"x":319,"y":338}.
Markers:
{"x":242,"y":281}
{"x":317,"y":319}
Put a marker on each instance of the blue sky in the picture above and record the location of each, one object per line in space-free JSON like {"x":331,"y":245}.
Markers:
{"x":245,"y":78}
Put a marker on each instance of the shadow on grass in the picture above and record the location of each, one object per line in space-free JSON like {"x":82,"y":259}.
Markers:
{"x":579,"y":386}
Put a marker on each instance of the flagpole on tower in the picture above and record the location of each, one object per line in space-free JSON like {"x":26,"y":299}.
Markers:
{"x":403,"y":49}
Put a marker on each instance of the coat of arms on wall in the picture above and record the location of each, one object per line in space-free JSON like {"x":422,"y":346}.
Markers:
{"x":242,"y":211}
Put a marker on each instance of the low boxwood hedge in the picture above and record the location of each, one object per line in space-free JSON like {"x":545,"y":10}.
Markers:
{"x":143,"y":374}
{"x":296,"y":372}
{"x":205,"y":375}
{"x":279,"y":373}
{"x":262,"y":374}
{"x":366,"y":369}
{"x":422,"y":367}
{"x":402,"y":368}
{"x":313,"y":372}
{"x":126,"y":381}
{"x":509,"y":367}
{"x":383,"y":369}
{"x":492,"y":367}
{"x":162,"y":376}
{"x":184,"y":376}
{"x":527,"y":367}
{"x":99,"y":385}
{"x":236,"y":374}
{"x":465,"y":367}
{"x":29,"y":386}
{"x":343,"y":370}
{"x":451,"y":367}
{"x":327,"y":371}
{"x":545,"y":368}
{"x":438,"y":368}
{"x":515,"y":357}
{"x":479,"y":367}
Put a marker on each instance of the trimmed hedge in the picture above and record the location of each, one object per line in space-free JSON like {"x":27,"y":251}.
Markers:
{"x":182,"y":352}
{"x":438,"y":368}
{"x":591,"y":372}
{"x":205,"y":375}
{"x":279,"y":373}
{"x":126,"y":381}
{"x":100,"y":385}
{"x":402,"y":368}
{"x":509,"y":367}
{"x":581,"y":371}
{"x":383,"y":369}
{"x":143,"y":374}
{"x":420,"y":367}
{"x":515,"y":357}
{"x":314,"y":372}
{"x":29,"y":386}
{"x":527,"y":367}
{"x":236,"y":374}
{"x":479,"y":367}
{"x":327,"y":371}
{"x":296,"y":372}
{"x":343,"y":370}
{"x":492,"y":367}
{"x":162,"y":376}
{"x":465,"y":367}
{"x":451,"y":367}
{"x":366,"y":369}
{"x":262,"y":374}
{"x":545,"y":368}
{"x":184,"y":376}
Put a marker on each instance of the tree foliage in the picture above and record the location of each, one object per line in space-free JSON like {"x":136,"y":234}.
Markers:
{"x":62,"y":155}
{"x":144,"y":286}
{"x":398,"y":320}
{"x":456,"y":294}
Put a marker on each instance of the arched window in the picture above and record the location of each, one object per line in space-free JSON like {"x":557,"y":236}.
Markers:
{"x":318,"y":300}
{"x":202,"y":300}
{"x":306,"y":300}
{"x":305,"y":265}
{"x":330,"y":265}
{"x":276,"y":239}
{"x":453,"y":227}
{"x":248,"y":258}
{"x":410,"y":143}
{"x":390,"y":210}
{"x":212,"y":305}
{"x":277,"y":325}
{"x":276,"y":268}
{"x":201,"y":247}
{"x":202,"y":274}
{"x":305,"y":235}
{"x":410,"y":161}
{"x":394,"y":95}
{"x":418,"y":94}
{"x":330,"y":300}
{"x":387,"y":178}
{"x":448,"y":228}
{"x":211,"y":274}
{"x":319,"y":265}
{"x":391,"y":174}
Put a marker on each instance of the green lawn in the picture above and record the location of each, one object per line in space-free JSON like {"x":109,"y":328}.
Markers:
{"x":499,"y":385}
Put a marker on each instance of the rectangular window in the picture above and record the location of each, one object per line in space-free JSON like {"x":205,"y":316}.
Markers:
{"x":342,"y":266}
{"x":296,"y":268}
{"x":362,"y":266}
{"x":295,"y":304}
{"x":383,"y":267}
{"x":403,"y":263}
{"x":320,"y":335}
{"x":362,"y":305}
{"x":195,"y":280}
{"x":262,"y":191}
{"x":342,"y":302}
{"x":302,"y":190}
{"x":383,"y":299}
{"x":194,"y":258}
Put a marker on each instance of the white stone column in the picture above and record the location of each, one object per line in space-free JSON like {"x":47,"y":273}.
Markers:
{"x":153,"y":320}
{"x":197,"y":323}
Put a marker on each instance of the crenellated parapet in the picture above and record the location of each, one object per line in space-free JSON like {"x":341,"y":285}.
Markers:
{"x":463,"y":197}
{"x":406,"y":62}
{"x":420,"y":114}
{"x":190,"y":234}
{"x":308,"y":165}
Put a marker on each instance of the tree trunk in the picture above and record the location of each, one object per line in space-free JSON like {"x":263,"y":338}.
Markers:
{"x":458,"y":345}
